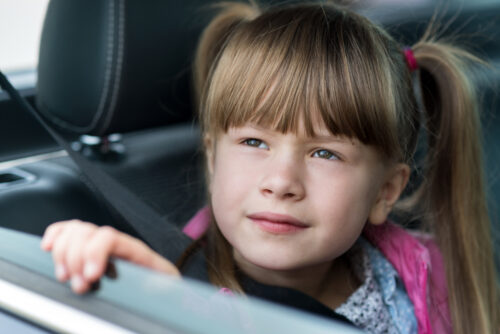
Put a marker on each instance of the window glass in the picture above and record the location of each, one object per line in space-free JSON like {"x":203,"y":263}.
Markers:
{"x":20,"y":27}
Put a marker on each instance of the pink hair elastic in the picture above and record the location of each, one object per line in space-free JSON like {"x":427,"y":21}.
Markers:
{"x":410,"y":59}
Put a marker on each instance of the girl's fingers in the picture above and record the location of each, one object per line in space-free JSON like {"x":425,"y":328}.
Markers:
{"x":97,"y":252}
{"x":66,"y":239}
{"x":50,"y":234}
{"x":79,"y":234}
{"x":79,"y":284}
{"x":81,"y":251}
{"x":59,"y":248}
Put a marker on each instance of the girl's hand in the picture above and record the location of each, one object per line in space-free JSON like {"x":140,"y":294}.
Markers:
{"x":81,"y":252}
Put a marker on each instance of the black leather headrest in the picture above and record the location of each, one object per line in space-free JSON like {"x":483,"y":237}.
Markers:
{"x":117,"y":65}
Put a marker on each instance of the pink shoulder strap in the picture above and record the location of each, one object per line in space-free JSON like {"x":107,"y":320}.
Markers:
{"x":197,"y":225}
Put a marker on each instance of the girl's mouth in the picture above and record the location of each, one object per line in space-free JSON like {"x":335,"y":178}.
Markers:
{"x":277,"y":223}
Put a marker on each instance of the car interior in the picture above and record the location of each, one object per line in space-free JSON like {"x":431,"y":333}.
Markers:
{"x":114,"y":78}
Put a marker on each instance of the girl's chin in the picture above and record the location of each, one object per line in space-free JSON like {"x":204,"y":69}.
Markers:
{"x":271,"y":262}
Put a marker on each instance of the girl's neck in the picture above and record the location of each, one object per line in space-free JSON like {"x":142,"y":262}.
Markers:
{"x":330,"y":283}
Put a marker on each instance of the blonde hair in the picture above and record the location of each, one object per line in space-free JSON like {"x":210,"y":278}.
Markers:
{"x":290,"y":64}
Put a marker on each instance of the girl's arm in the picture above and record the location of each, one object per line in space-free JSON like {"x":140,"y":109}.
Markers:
{"x":81,"y":252}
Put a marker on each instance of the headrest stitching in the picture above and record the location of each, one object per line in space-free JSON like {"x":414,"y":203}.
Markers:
{"x":109,"y":62}
{"x":118,"y":68}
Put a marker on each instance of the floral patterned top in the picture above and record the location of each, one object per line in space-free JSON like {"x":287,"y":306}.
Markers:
{"x":380,"y":304}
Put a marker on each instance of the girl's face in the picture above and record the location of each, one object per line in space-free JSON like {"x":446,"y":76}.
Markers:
{"x":285,"y":201}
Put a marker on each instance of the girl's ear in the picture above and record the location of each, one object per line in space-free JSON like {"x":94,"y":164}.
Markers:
{"x":208,"y":143}
{"x":394,"y":184}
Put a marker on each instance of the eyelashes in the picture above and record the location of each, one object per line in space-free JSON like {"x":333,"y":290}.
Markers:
{"x":325,"y":154}
{"x":254,"y":142}
{"x":319,"y":153}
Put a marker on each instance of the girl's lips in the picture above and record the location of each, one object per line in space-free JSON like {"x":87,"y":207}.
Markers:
{"x":277,"y":223}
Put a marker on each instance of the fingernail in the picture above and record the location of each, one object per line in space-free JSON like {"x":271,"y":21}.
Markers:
{"x":90,"y":270}
{"x":76,"y":283}
{"x":61,"y":272}
{"x":45,"y":243}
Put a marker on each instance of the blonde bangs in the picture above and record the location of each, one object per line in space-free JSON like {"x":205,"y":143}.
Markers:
{"x":321,"y":65}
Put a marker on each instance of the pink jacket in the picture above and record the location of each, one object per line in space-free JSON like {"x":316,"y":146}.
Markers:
{"x":415,"y":257}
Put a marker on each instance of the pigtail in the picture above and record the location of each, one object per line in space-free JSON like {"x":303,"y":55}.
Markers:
{"x":220,"y":262}
{"x":452,"y":194}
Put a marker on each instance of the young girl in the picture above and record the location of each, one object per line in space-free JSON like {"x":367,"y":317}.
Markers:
{"x":310,"y":124}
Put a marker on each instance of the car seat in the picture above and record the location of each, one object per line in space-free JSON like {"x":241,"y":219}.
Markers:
{"x":107,"y":67}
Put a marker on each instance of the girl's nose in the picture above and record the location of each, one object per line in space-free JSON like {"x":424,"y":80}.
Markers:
{"x":283,"y":180}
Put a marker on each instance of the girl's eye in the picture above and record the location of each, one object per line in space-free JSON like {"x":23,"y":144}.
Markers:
{"x":255,"y":143}
{"x":325,"y":154}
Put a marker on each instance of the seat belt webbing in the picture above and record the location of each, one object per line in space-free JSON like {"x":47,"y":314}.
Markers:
{"x":162,"y":236}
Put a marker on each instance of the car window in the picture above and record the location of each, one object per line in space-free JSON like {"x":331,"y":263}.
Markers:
{"x":20,"y":27}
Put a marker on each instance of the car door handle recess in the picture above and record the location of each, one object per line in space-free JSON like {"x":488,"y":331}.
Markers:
{"x":14,"y":177}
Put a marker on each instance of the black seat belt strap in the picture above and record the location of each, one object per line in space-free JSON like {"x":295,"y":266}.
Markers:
{"x":163,"y":237}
